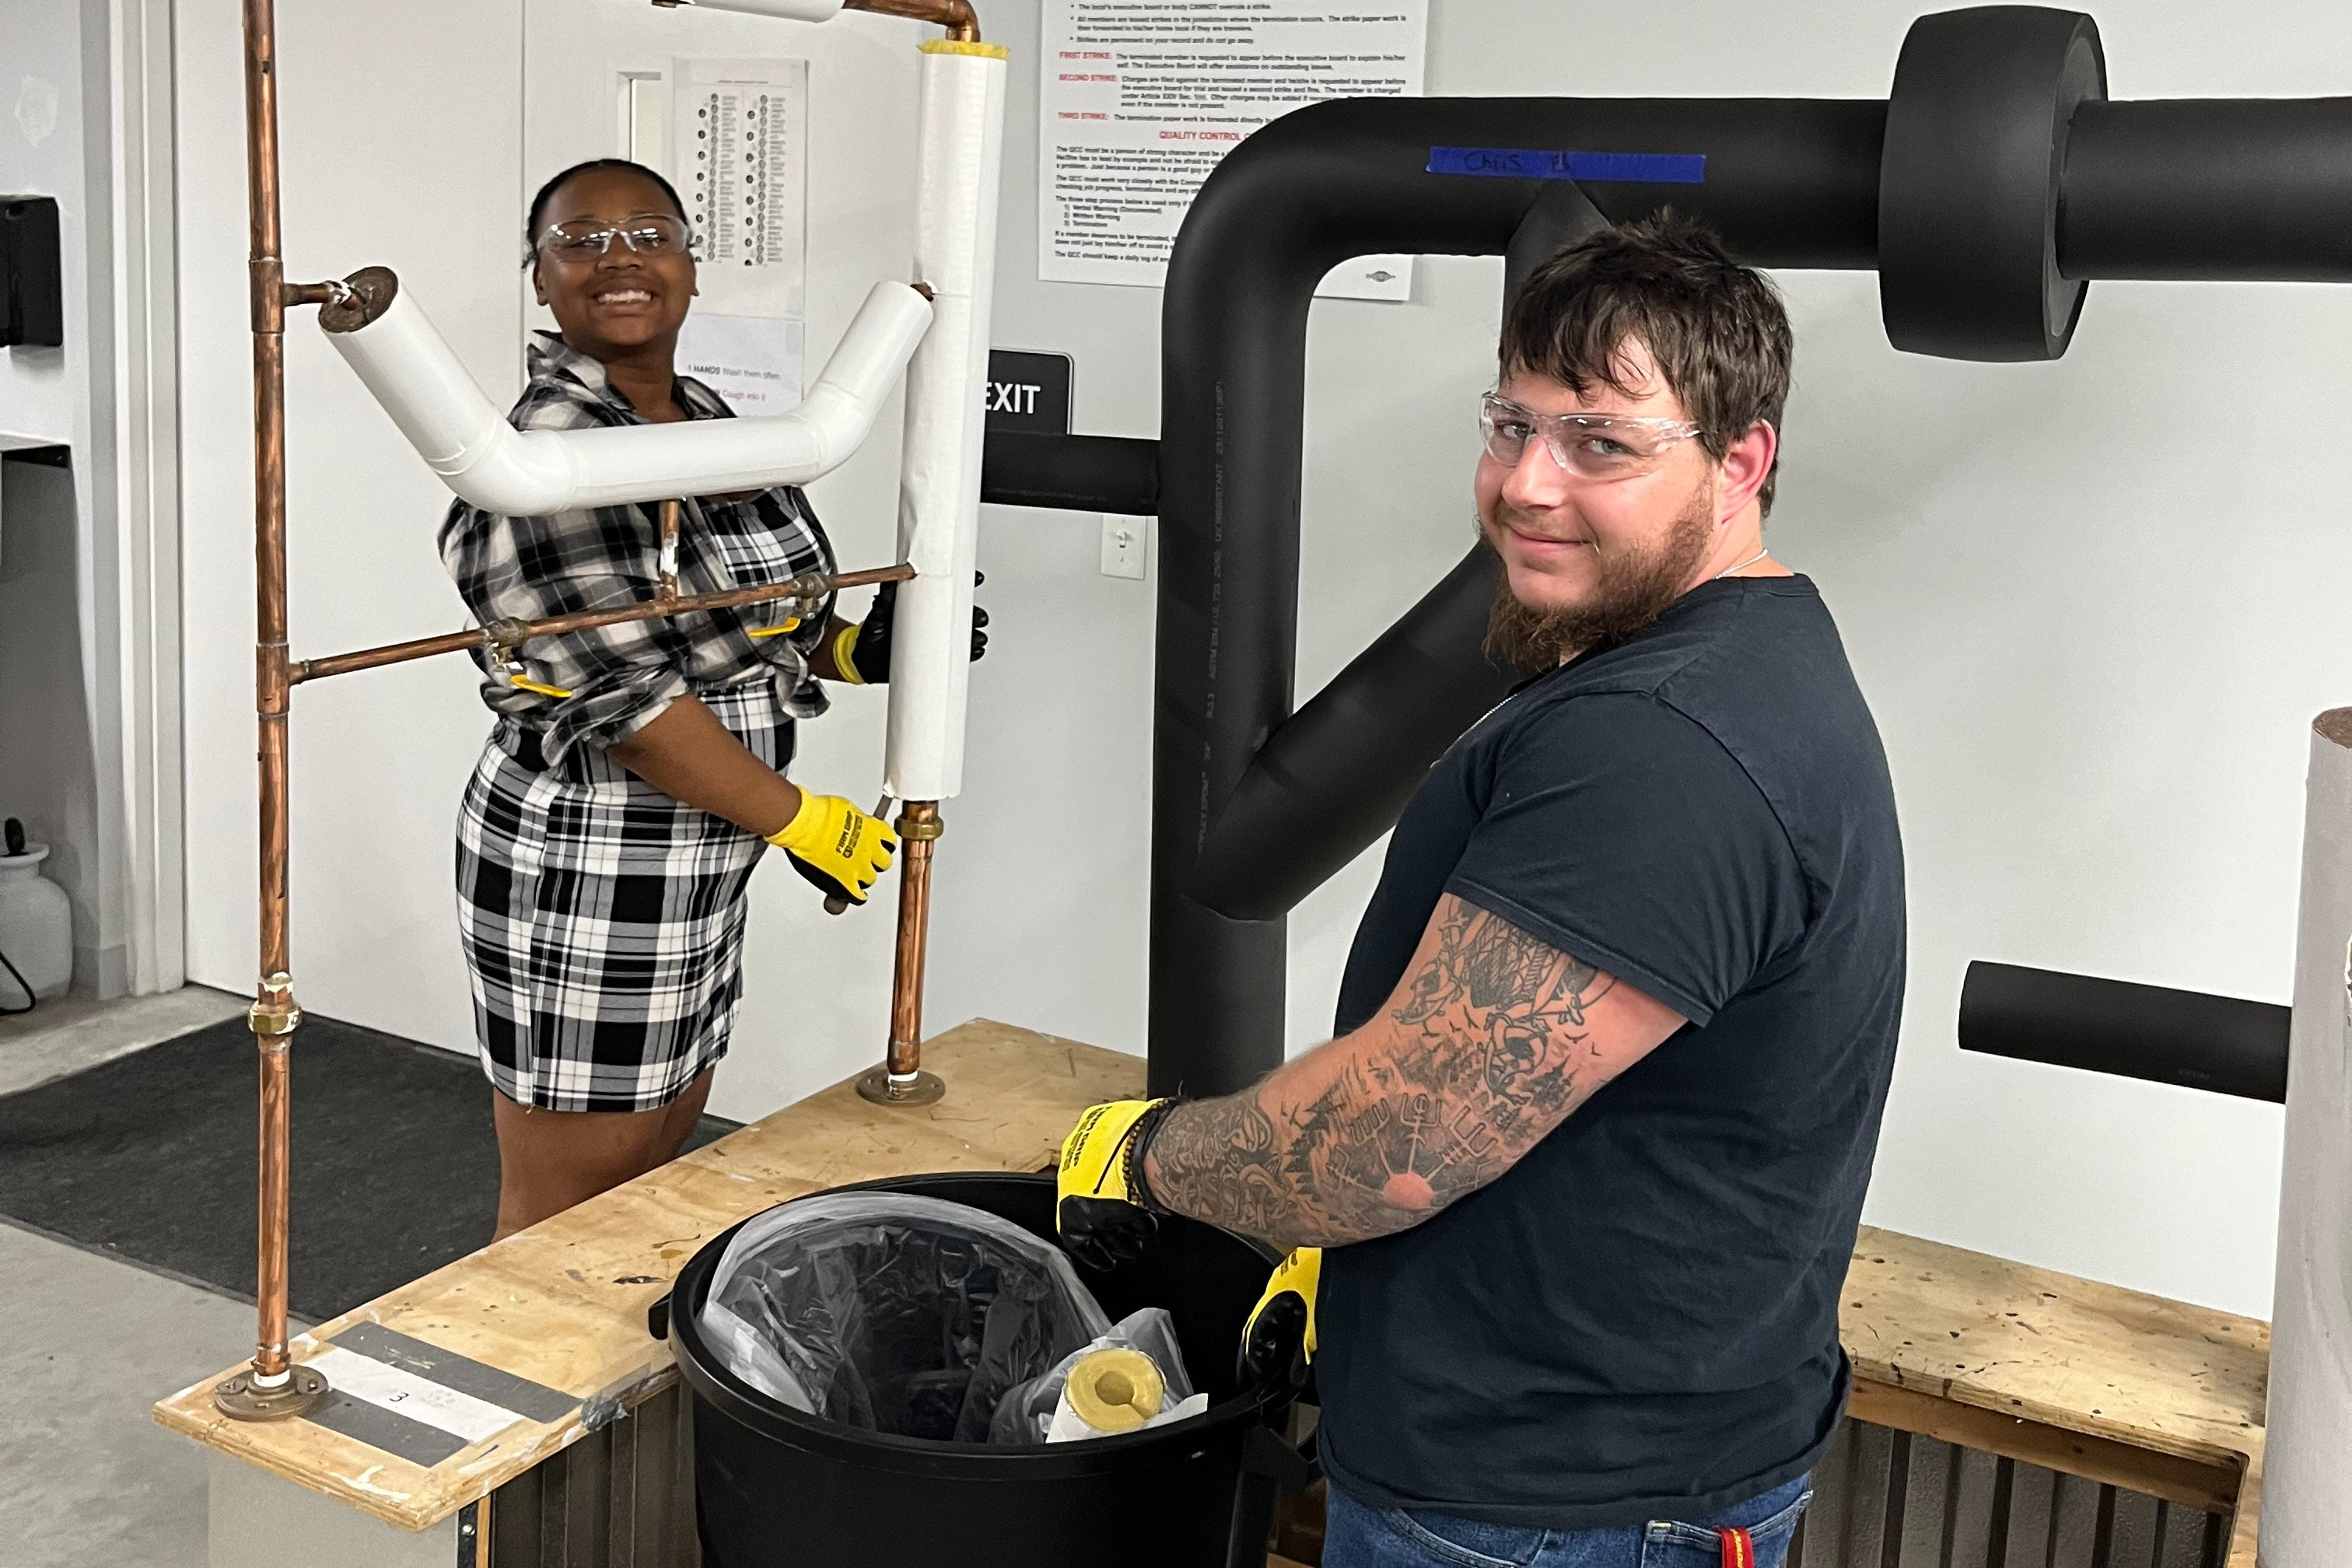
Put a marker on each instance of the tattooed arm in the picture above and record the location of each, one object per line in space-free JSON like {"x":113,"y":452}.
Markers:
{"x":1491,"y":1039}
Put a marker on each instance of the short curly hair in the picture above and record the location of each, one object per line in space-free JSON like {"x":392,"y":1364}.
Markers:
{"x":1716,"y":329}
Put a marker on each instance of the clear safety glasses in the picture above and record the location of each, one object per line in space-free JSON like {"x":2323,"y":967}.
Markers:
{"x":647,"y":234}
{"x":1589,"y":446}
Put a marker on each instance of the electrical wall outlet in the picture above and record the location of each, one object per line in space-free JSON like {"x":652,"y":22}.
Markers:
{"x":1124,"y":541}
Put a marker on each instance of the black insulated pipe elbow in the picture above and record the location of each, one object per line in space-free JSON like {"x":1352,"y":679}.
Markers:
{"x":2185,"y":1037}
{"x":1789,"y":184}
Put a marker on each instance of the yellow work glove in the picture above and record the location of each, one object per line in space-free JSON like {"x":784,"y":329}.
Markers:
{"x":837,"y":846}
{"x":1102,"y":1212}
{"x":1280,"y":1334}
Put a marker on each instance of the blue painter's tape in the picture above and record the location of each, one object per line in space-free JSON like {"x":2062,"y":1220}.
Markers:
{"x":1524,"y":164}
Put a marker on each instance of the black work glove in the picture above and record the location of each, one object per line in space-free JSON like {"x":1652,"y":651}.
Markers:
{"x":862,"y":653}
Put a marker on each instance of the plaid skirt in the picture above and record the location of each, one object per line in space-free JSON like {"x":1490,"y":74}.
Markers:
{"x":602,"y":919}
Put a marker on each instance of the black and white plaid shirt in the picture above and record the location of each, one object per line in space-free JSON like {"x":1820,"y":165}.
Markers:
{"x":622,"y":676}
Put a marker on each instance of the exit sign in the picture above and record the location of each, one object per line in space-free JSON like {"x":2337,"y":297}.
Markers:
{"x":1028,"y":393}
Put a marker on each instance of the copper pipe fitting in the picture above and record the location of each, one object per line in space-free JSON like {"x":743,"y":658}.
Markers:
{"x":956,"y":15}
{"x":666,"y":594}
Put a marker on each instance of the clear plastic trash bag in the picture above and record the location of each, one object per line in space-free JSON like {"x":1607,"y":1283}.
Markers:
{"x":895,"y":1313}
{"x":1025,"y":1413}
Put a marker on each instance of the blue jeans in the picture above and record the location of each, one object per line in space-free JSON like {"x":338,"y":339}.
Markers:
{"x":1356,"y":1536}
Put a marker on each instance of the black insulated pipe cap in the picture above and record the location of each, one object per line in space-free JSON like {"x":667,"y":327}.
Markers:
{"x":1969,"y":182}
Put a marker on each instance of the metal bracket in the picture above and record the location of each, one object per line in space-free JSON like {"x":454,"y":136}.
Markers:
{"x":239,"y":1399}
{"x":922,"y":1088}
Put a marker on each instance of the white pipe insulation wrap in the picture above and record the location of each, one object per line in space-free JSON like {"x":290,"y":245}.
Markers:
{"x":463,"y":437}
{"x":962,"y":137}
{"x":791,"y":10}
{"x":2307,"y":1465}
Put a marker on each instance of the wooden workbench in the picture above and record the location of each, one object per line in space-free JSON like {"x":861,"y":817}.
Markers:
{"x":2082,"y":1378}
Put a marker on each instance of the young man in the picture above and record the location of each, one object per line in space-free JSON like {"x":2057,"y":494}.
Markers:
{"x":1590,"y":1151}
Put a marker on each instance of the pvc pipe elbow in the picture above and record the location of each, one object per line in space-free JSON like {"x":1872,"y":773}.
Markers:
{"x":437,"y":405}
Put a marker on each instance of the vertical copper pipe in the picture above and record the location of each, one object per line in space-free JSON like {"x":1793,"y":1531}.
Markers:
{"x":919,"y":831}
{"x":274,"y":1014}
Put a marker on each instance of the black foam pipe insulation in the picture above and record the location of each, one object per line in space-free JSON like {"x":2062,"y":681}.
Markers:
{"x":1071,"y":473}
{"x":2186,"y":1038}
{"x":1991,"y":187}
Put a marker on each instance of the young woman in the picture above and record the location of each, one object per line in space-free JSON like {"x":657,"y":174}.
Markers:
{"x":636,"y":772}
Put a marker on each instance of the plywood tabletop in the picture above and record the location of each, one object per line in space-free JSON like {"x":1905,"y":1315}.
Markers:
{"x":2049,"y":1347}
{"x":2153,"y":1374}
{"x":562,"y":1305}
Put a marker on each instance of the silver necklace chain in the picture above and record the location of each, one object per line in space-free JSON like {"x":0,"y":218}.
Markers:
{"x":1742,"y":566}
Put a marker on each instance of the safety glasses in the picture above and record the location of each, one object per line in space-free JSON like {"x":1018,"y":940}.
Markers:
{"x":647,"y":234}
{"x":1598,"y":447}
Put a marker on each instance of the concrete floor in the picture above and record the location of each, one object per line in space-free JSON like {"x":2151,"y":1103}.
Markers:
{"x":87,"y":1343}
{"x":67,"y":1033}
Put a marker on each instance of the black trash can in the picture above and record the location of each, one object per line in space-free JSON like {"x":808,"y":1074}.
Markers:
{"x":776,"y":1488}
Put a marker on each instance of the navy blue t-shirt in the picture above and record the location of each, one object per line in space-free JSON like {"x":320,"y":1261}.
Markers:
{"x":1639,"y":1319}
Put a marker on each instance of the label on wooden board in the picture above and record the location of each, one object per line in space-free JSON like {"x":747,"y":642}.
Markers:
{"x":420,"y":1403}
{"x":417,"y":1398}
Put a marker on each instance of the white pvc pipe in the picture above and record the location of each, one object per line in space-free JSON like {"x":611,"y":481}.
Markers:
{"x":2307,"y":1466}
{"x":792,"y":10}
{"x":463,"y":437}
{"x":961,"y":138}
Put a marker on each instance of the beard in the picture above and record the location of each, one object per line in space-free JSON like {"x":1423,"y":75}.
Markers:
{"x":1635,"y":586}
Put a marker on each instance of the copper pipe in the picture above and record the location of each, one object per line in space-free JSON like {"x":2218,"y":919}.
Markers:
{"x":274,"y":1014}
{"x":668,"y":593}
{"x":918,"y":830}
{"x":956,"y":15}
{"x":276,"y":1182}
{"x":512,"y":633}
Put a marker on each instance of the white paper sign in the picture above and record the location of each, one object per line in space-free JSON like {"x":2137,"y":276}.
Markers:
{"x":1140,"y":98}
{"x":753,"y":361}
{"x":738,"y":137}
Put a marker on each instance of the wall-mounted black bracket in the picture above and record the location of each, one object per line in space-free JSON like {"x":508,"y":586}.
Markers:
{"x":32,"y":274}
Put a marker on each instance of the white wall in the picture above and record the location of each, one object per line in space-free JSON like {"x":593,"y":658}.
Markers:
{"x":47,"y":769}
{"x":94,"y":763}
{"x":2093,"y":642}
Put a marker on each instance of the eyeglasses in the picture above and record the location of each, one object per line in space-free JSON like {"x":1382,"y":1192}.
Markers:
{"x":647,"y":234}
{"x":1598,"y":447}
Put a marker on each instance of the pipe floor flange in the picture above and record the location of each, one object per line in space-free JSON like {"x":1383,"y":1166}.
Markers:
{"x":237,"y":1399}
{"x":875,"y":1085}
